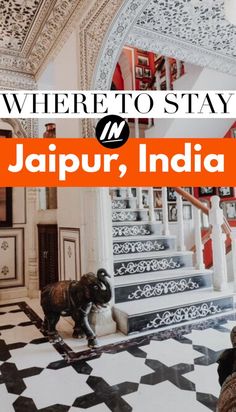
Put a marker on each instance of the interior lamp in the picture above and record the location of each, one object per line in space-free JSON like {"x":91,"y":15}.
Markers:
{"x":230,"y":11}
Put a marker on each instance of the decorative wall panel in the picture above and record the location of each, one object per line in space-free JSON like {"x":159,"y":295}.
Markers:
{"x":70,"y":261}
{"x":11,"y":257}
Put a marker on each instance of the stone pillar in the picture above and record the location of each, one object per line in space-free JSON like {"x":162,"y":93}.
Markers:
{"x":98,"y":238}
{"x":31,"y":243}
{"x":218,"y":245}
{"x":233,"y":253}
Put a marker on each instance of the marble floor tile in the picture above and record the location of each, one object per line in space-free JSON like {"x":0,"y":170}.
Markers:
{"x":13,"y":318}
{"x":164,"y":397}
{"x":56,"y":387}
{"x":6,"y":399}
{"x":34,"y":355}
{"x":170,"y":352}
{"x":113,"y":368}
{"x":21,"y":334}
{"x":213,"y":339}
{"x":98,"y":408}
{"x":205,"y":379}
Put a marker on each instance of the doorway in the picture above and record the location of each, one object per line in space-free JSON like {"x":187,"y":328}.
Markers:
{"x":48,"y":254}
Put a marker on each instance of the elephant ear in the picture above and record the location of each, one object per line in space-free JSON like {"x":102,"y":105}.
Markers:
{"x":86,"y":282}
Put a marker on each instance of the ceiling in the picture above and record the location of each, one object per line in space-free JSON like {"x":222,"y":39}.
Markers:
{"x":199,"y":22}
{"x":29,"y":29}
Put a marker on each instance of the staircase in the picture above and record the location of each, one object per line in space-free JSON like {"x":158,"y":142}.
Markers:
{"x":156,"y":285}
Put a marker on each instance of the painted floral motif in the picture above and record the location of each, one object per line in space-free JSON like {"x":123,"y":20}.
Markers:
{"x":4,"y":245}
{"x":138,"y":247}
{"x":124,"y":216}
{"x":131,"y":268}
{"x":163,"y":288}
{"x":134,"y":230}
{"x":5,"y":270}
{"x":184,"y":314}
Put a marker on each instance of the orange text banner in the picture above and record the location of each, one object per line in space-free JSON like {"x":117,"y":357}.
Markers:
{"x":140,"y":162}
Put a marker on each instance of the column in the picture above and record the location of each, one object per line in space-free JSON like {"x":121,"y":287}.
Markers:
{"x":180,"y":223}
{"x":233,"y":253}
{"x":218,"y":245}
{"x":33,"y":275}
{"x":198,"y":239}
{"x":168,"y":74}
{"x":98,"y":238}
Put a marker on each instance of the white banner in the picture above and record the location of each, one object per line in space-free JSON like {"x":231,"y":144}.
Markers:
{"x":127,"y":104}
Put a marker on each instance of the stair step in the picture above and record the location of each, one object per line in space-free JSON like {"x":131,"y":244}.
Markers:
{"x":137,"y":245}
{"x":170,"y":310}
{"x":138,"y":287}
{"x":130,"y":229}
{"x":124,"y":203}
{"x":128,"y":215}
{"x":151,"y":262}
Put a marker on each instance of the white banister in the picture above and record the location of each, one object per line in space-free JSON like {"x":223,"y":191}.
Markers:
{"x":139,"y":193}
{"x":165,"y":212}
{"x":198,"y":239}
{"x":152,"y":217}
{"x":218,"y":245}
{"x":180,"y":223}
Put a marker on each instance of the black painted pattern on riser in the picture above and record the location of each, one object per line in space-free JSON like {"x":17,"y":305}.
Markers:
{"x":129,"y":215}
{"x":142,"y":246}
{"x":155,"y":288}
{"x":160,"y":319}
{"x":143,"y":230}
{"x":124,"y":203}
{"x":145,"y":265}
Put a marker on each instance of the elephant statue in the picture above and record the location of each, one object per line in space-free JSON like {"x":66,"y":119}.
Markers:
{"x":75,"y":299}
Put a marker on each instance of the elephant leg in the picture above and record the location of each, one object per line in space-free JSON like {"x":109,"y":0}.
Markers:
{"x":78,"y":331}
{"x":82,"y":323}
{"x":52,"y":320}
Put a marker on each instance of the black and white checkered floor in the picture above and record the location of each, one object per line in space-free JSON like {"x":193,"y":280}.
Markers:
{"x":166,"y":371}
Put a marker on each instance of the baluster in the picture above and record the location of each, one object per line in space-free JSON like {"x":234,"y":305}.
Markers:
{"x":136,"y":128}
{"x":129,"y":192}
{"x":180,"y":223}
{"x":218,"y":245}
{"x":165,"y":212}
{"x":233,"y":253}
{"x":198,"y":239}
{"x":152,"y":217}
{"x":168,"y":74}
{"x":158,"y":81}
{"x":178,"y":67}
{"x":139,"y":192}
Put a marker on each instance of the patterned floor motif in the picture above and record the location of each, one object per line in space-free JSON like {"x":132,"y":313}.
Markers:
{"x":165,"y":371}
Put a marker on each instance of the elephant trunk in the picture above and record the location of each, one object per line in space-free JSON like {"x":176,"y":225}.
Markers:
{"x":105,"y":287}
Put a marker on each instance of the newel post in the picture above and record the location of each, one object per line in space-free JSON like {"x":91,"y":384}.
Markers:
{"x":198,"y":239}
{"x":218,"y":245}
{"x":180,"y":223}
{"x":165,"y":212}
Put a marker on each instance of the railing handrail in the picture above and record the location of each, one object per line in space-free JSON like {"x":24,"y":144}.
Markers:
{"x":195,"y":202}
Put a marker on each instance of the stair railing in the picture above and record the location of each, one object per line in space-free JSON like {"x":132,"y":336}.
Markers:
{"x":219,"y":231}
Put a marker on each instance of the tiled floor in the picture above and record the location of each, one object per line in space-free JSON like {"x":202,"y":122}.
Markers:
{"x":166,"y":371}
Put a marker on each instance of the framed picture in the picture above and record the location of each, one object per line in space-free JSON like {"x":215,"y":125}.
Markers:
{"x":230,"y":210}
{"x":157,"y":199}
{"x":145,"y":198}
{"x":158,"y":214}
{"x":147,"y":73}
{"x":187,"y":212}
{"x":206,"y":191}
{"x":143,"y":60}
{"x":225,"y":191}
{"x":143,"y":85}
{"x":171,"y":194}
{"x":5,"y":195}
{"x":172,"y":212}
{"x":139,"y":72}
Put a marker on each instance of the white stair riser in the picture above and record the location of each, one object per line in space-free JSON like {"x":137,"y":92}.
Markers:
{"x":127,"y":215}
